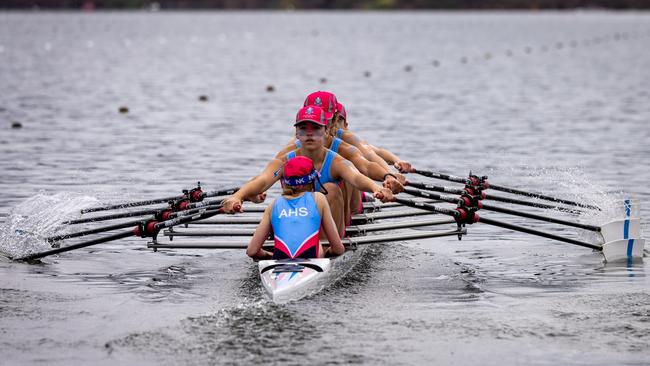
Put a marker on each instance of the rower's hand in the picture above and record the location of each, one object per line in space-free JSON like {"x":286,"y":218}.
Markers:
{"x":393,"y":184}
{"x":259,"y":198}
{"x":232,"y":205}
{"x":384,"y":194}
{"x":403,"y":166}
{"x":401,"y":178}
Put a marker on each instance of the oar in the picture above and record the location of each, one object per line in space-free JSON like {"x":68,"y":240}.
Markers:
{"x":483,"y":206}
{"x":360,"y":218}
{"x":348,"y":242}
{"x":352,"y":230}
{"x":145,"y":229}
{"x":462,"y":217}
{"x":435,"y":188}
{"x":456,"y":179}
{"x":182,"y":207}
{"x":159,"y":215}
{"x":198,"y":196}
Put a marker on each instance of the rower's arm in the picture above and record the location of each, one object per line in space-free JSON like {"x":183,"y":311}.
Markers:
{"x":328,"y":225}
{"x":386,"y":155}
{"x":402,"y":165}
{"x":371,"y":169}
{"x":255,"y":186}
{"x":345,"y":170}
{"x":365,"y":148}
{"x":255,"y":248}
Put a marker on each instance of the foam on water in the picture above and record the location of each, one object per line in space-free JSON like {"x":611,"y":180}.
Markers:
{"x":28,"y":224}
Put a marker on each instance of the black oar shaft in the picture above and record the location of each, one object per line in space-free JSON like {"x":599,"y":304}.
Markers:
{"x":131,"y":204}
{"x":435,"y":188}
{"x":531,"y":204}
{"x":93,"y":231}
{"x":441,"y":176}
{"x":456,"y":179}
{"x":541,"y":196}
{"x":425,"y":194}
{"x":505,"y":225}
{"x":120,"y":215}
{"x":543,"y":234}
{"x":105,"y":239}
{"x":426,"y":206}
{"x":221,"y":192}
{"x":541,"y":218}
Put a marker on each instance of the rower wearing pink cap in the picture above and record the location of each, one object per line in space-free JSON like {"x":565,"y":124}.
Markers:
{"x":296,"y":218}
{"x":351,"y":197}
{"x":339,"y":128}
{"x":310,"y":131}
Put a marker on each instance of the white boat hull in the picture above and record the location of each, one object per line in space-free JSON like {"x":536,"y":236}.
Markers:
{"x":292,"y":279}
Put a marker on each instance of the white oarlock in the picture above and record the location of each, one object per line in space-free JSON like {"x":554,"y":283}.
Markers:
{"x":623,"y":250}
{"x":621,"y":229}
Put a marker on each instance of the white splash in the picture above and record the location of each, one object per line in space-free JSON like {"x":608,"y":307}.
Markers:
{"x":28,"y":224}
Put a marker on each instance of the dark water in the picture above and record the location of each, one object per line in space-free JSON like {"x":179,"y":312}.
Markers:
{"x":556,"y":102}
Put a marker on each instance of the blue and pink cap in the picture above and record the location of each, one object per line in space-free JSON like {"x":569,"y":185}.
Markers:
{"x":298,"y":171}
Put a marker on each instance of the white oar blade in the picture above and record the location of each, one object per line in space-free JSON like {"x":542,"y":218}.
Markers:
{"x":621,"y":229}
{"x":624,"y":249}
{"x":631,"y":207}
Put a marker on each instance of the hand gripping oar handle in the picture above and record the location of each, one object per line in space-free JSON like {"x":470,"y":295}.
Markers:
{"x":145,"y":229}
{"x":467,"y":181}
{"x":473,"y":218}
{"x":463,"y":201}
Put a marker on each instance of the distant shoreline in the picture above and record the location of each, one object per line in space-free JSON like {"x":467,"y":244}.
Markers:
{"x":358,"y":5}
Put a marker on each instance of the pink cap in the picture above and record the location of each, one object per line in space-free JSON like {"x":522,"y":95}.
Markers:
{"x":341,"y":109}
{"x":311,"y":114}
{"x":323,"y":99}
{"x":298,"y":166}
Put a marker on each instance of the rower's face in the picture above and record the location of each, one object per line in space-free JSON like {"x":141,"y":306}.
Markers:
{"x":308,"y":132}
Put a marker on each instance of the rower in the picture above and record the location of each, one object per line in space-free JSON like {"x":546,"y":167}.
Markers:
{"x":371,"y":169}
{"x":339,"y":128}
{"x":310,"y":130}
{"x":296,"y":218}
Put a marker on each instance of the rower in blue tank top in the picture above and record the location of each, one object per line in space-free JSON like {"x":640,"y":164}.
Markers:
{"x":324,"y":175}
{"x":296,"y":218}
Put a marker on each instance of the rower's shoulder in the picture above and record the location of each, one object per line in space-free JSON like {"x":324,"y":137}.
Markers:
{"x":320,"y":199}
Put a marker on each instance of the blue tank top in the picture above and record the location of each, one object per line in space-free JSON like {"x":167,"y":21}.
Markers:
{"x":296,"y":227}
{"x":339,"y":133}
{"x":336,"y":142}
{"x":325,"y":175}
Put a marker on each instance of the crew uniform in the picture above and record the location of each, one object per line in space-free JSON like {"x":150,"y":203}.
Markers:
{"x":296,"y":227}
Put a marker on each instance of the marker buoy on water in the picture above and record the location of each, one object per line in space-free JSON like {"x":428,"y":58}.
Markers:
{"x":123,"y":110}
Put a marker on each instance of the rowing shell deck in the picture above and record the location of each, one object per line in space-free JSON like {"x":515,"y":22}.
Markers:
{"x":292,"y":279}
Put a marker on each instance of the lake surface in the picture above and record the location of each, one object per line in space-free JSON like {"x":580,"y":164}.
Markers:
{"x":552,"y":102}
